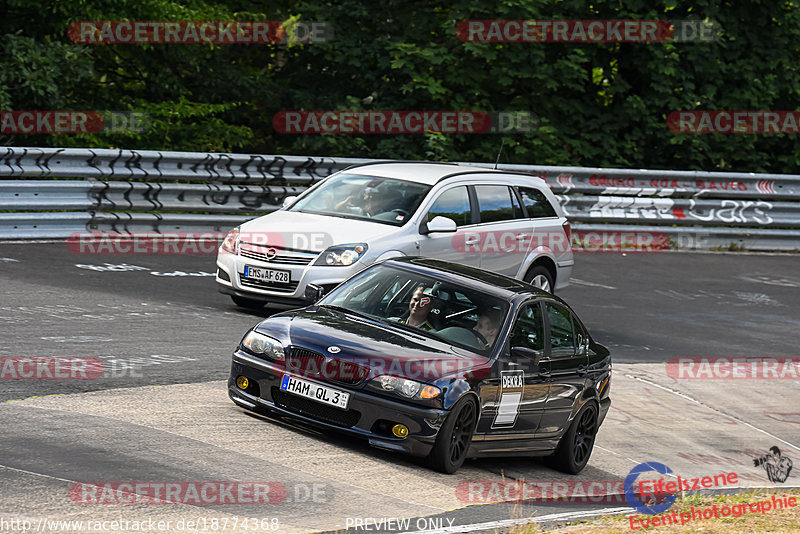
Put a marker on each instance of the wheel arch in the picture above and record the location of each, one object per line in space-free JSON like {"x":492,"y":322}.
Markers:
{"x":462,"y":391}
{"x":548,"y":263}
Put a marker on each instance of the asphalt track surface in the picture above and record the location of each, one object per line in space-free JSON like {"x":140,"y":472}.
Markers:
{"x":160,"y":412}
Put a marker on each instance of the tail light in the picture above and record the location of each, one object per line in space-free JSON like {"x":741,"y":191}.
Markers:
{"x":568,"y":231}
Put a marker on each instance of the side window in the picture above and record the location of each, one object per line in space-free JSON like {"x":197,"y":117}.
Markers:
{"x":536,"y":203}
{"x":494,"y":202}
{"x":562,"y":338}
{"x":581,"y":336}
{"x":529,"y":330}
{"x":453,"y":204}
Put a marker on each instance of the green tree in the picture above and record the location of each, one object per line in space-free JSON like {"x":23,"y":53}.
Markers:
{"x":599,"y":104}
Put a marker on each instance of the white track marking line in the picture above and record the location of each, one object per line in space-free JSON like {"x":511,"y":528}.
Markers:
{"x":700,"y":403}
{"x":590,"y":284}
{"x":491,"y":525}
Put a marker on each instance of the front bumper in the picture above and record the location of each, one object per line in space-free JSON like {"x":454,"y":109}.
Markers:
{"x":368,"y":416}
{"x":564,"y":273}
{"x":605,"y":404}
{"x":282,"y":302}
{"x":230,"y":280}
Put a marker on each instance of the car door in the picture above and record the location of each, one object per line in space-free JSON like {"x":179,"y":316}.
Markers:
{"x":516,"y":392}
{"x":566,"y":364}
{"x":505,"y":232}
{"x":453,"y":203}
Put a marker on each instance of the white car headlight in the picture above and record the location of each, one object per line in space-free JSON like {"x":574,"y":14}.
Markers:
{"x":263,"y":345}
{"x":342,"y":255}
{"x":230,"y":241}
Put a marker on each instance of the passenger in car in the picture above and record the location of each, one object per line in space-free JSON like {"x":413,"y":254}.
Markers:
{"x":487,"y":327}
{"x":365,"y":203}
{"x":419,"y":308}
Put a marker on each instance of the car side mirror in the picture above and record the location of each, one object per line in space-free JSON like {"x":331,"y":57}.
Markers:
{"x":438,"y":224}
{"x":288,"y":201}
{"x":314,"y":293}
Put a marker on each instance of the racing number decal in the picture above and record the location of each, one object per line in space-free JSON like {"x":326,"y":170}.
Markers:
{"x":511,"y":388}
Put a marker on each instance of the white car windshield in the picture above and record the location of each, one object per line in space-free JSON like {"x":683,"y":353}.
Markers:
{"x":458,"y":315}
{"x":354,"y":196}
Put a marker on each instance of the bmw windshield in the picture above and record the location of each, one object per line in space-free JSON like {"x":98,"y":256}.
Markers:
{"x":422,"y":304}
{"x":354,"y":196}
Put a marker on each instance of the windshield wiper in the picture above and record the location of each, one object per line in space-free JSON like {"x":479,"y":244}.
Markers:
{"x":335,"y":214}
{"x":347,"y":310}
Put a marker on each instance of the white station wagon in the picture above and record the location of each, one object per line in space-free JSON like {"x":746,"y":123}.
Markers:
{"x":504,"y":222}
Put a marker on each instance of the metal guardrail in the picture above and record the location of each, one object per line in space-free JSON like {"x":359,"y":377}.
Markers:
{"x":644,"y":182}
{"x":145,"y":165}
{"x":52,"y":193}
{"x":141,"y":196}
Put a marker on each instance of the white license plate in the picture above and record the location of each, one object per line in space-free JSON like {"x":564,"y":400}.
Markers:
{"x":319,"y":393}
{"x":272,"y":276}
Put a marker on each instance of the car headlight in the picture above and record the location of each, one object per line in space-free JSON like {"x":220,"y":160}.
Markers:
{"x":342,"y":255}
{"x":410,"y":389}
{"x":230,"y":241}
{"x":263,"y":345}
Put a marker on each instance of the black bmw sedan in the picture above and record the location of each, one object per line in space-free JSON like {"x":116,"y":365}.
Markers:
{"x":434,"y":359}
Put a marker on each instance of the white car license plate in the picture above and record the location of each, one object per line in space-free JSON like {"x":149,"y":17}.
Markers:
{"x":272,"y":276}
{"x":319,"y":393}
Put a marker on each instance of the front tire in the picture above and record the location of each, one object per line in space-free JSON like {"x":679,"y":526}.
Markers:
{"x":455,"y":436}
{"x":540,"y":277}
{"x":575,"y":448}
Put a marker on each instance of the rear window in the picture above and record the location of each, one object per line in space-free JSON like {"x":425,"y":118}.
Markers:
{"x":536,"y":203}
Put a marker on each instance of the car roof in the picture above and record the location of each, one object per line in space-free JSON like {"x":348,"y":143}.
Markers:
{"x":470,"y":277}
{"x":424,"y":173}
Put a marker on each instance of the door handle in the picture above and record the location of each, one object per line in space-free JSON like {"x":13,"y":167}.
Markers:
{"x":581,"y":369}
{"x":471,"y":240}
{"x":520,"y":237}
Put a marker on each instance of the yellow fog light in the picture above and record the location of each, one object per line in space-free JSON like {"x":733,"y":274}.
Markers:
{"x":400,"y":431}
{"x":242,"y":382}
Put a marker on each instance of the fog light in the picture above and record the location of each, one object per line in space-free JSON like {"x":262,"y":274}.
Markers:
{"x":242,"y":382}
{"x":400,"y":431}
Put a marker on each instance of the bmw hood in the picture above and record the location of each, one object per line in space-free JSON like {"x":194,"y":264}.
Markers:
{"x":322,"y":340}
